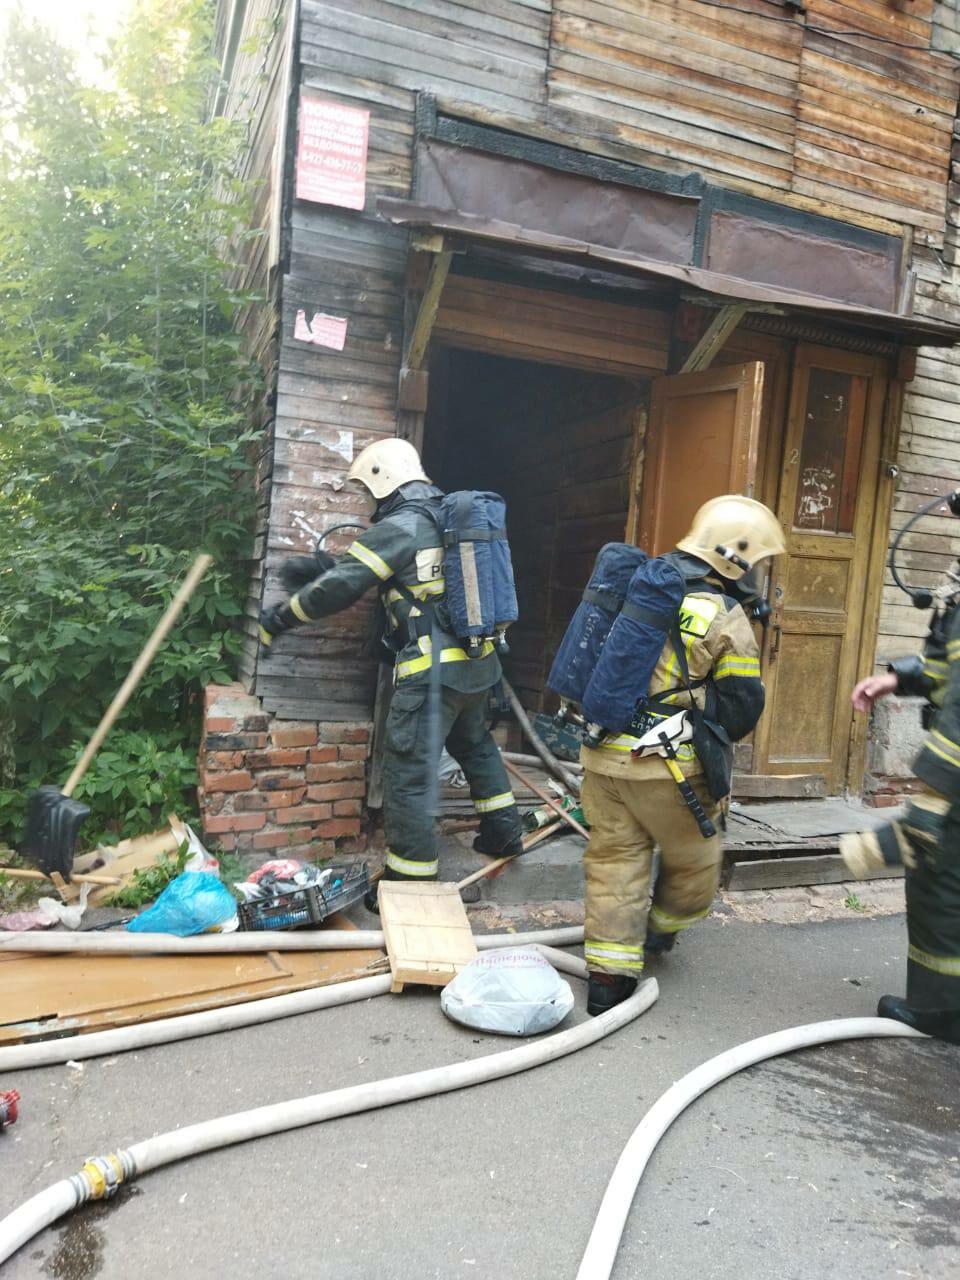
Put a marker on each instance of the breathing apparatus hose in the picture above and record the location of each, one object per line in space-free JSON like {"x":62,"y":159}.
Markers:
{"x":601,"y":1251}
{"x":102,"y":1176}
{"x":919,"y":596}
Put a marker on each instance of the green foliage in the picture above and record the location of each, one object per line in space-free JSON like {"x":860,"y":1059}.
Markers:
{"x":149,"y":882}
{"x":124,"y":448}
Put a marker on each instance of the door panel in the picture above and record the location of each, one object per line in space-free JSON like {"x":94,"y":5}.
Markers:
{"x":701,"y":442}
{"x":827,"y":497}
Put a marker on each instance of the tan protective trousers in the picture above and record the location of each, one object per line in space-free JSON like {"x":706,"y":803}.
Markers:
{"x":627,"y":818}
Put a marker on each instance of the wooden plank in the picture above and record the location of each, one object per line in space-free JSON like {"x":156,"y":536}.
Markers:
{"x":48,"y":996}
{"x":779,"y":873}
{"x":426,"y":931}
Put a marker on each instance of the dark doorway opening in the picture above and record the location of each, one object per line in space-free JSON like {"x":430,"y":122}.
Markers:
{"x":558,"y":444}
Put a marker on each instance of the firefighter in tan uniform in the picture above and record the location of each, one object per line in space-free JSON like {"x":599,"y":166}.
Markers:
{"x":633,"y":802}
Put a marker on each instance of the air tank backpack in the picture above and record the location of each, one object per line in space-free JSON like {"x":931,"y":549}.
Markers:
{"x":611,"y":647}
{"x":480,"y":595}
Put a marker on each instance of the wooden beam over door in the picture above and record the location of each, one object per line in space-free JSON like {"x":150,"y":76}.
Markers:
{"x":429,"y":306}
{"x":718,"y":331}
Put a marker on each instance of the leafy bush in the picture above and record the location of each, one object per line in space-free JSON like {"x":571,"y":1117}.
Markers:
{"x":123,"y":392}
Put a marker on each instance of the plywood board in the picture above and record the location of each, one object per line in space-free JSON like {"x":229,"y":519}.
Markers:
{"x":426,"y":931}
{"x":46,"y":996}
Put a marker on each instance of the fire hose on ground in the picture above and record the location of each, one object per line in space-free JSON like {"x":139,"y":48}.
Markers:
{"x":96,"y":1044}
{"x":102,"y":1176}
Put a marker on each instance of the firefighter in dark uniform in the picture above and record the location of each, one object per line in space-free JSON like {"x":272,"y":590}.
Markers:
{"x":927,"y":839}
{"x":632,"y":802}
{"x":401,"y":555}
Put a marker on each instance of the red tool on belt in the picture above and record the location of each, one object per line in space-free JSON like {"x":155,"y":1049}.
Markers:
{"x":8,"y":1108}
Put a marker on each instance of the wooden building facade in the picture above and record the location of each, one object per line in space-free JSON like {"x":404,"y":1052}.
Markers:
{"x":609,"y":258}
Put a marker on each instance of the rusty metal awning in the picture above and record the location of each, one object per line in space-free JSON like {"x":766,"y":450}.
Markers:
{"x":712,"y":286}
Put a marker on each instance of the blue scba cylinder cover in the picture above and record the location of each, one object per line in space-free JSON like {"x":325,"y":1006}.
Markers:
{"x":636,"y":639}
{"x":479,"y":594}
{"x":596,"y":613}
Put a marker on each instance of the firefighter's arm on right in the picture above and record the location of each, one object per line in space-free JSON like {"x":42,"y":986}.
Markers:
{"x":369,"y":562}
{"x":736,"y":673}
{"x":938,"y":764}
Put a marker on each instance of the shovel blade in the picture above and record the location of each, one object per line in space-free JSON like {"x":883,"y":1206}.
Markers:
{"x":53,"y":823}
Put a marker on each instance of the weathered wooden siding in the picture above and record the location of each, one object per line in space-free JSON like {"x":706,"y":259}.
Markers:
{"x":256,"y":84}
{"x":846,"y":111}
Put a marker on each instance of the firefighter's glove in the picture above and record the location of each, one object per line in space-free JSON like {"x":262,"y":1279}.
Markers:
{"x":297,"y":571}
{"x":275,"y":621}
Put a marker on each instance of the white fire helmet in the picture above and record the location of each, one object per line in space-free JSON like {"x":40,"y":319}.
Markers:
{"x":732,"y":534}
{"x":382,"y":467}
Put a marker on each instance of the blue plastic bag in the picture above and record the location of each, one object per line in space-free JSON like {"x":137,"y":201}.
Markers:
{"x":192,"y":903}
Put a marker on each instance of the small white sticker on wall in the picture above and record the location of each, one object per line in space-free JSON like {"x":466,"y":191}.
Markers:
{"x":322,"y":331}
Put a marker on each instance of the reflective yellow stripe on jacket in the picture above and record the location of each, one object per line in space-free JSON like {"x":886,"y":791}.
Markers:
{"x":370,"y":558}
{"x":415,"y":665}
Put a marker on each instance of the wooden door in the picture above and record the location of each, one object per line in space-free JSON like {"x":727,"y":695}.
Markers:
{"x":701,"y":442}
{"x":828,"y":494}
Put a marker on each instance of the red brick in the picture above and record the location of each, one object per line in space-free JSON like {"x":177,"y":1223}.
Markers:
{"x":290,"y":835}
{"x":217,"y":693}
{"x":271,"y":839}
{"x":336,"y":791}
{"x":309,"y":851}
{"x":279,"y":758}
{"x":294,"y":735}
{"x":332,"y":732}
{"x":348,"y":752}
{"x":251,"y":802}
{"x":339,"y":827}
{"x":322,"y":755}
{"x":221,"y":724}
{"x":227,"y":842}
{"x":346,"y":808}
{"x":240,"y":780}
{"x":236,"y":741}
{"x":279,"y":781}
{"x":303,"y":813}
{"x":235,"y":822}
{"x":879,"y":801}
{"x":217,"y":760}
{"x":258,"y":723}
{"x":339,"y":772}
{"x":284,"y":799}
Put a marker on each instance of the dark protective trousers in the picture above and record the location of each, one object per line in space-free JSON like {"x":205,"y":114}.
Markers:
{"x":927,"y":842}
{"x":410,"y":831}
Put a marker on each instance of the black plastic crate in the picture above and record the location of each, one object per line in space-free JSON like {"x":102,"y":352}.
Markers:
{"x":306,"y":908}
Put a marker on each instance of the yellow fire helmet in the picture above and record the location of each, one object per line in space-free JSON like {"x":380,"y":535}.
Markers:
{"x":382,"y":467}
{"x":732,"y":533}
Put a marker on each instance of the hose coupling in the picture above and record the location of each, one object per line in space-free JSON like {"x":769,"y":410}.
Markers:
{"x":101,"y":1176}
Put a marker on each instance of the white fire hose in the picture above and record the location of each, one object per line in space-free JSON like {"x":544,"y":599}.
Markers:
{"x":95,"y":1044}
{"x":601,"y":1252}
{"x":101,"y":1176}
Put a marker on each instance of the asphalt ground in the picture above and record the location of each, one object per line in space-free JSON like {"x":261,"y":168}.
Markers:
{"x":834,"y":1162}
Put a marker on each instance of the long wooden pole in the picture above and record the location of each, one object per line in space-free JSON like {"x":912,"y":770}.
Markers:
{"x":540,"y":747}
{"x":529,"y":841}
{"x":16,"y":873}
{"x":568,"y":818}
{"x":187,"y":588}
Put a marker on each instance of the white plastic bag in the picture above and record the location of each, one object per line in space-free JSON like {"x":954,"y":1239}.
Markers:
{"x":514,"y":991}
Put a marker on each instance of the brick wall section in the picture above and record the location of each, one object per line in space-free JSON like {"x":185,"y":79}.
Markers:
{"x":270,"y":787}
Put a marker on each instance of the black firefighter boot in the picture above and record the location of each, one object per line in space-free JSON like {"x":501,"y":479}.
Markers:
{"x":944,"y":1024}
{"x":500,"y":834}
{"x":657,"y":944}
{"x":606,"y":990}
